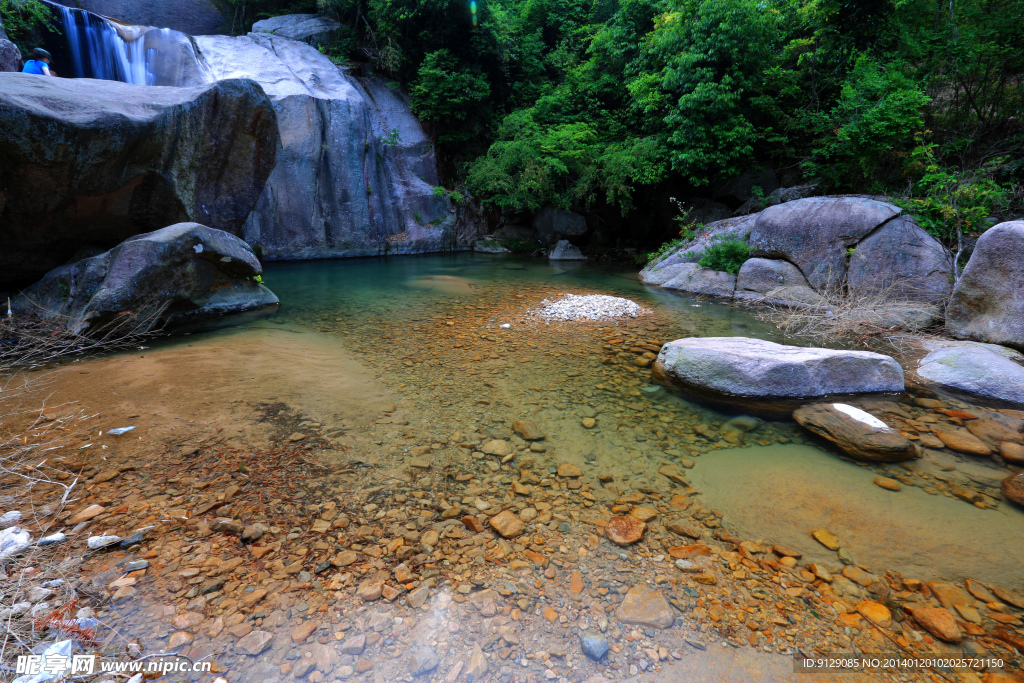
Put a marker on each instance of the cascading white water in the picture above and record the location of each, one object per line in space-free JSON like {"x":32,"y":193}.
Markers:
{"x":98,"y":50}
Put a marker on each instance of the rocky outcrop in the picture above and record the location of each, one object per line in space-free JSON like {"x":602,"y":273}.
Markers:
{"x":356,"y":173}
{"x":566,"y":251}
{"x":314,"y":29}
{"x":975,"y":370}
{"x":692,"y":278}
{"x":902,"y":260}
{"x":855,"y":432}
{"x":91,"y":163}
{"x":988,"y":301}
{"x":195,"y":17}
{"x":553,"y":225}
{"x":815,"y":233}
{"x":768,"y":378}
{"x":666,"y":268}
{"x":192,"y":272}
{"x":10,"y":55}
{"x":774,"y":282}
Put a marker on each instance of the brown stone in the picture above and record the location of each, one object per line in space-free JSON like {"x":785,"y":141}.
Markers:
{"x":576,"y":583}
{"x":473,"y":524}
{"x":687,"y":552}
{"x":938,"y":621}
{"x":625,"y":530}
{"x":589,"y":422}
{"x":877,"y":614}
{"x":1013,"y":488}
{"x":178,"y":639}
{"x":1008,"y":636}
{"x":527,"y":430}
{"x":302,"y":631}
{"x":785,"y":551}
{"x":86,"y":514}
{"x":369,"y":590}
{"x":644,"y":514}
{"x":858,"y":439}
{"x":993,"y":432}
{"x":979,"y":591}
{"x":345,"y":558}
{"x":674,"y":473}
{"x":826,"y":539}
{"x":497,"y":447}
{"x":949,"y":595}
{"x":567,"y":469}
{"x":964,"y":442}
{"x":255,"y":643}
{"x":683,"y":528}
{"x":644,"y":605}
{"x":1012,"y":453}
{"x":887,"y":483}
{"x":1015,"y":598}
{"x":507,"y":524}
{"x":858,"y":575}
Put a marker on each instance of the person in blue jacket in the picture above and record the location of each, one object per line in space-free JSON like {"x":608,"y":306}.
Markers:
{"x":39,"y":64}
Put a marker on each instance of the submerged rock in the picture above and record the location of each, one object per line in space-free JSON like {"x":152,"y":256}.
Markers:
{"x":856,"y":432}
{"x":644,"y":605}
{"x":974,"y":369}
{"x":89,"y":163}
{"x":988,"y":301}
{"x":199,"y":274}
{"x":695,"y":279}
{"x":1013,"y":488}
{"x":769,"y":378}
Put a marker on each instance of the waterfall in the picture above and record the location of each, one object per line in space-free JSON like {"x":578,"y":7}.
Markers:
{"x":98,"y":50}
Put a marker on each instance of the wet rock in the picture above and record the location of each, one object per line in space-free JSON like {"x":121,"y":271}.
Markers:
{"x":1010,"y":597}
{"x":963,"y":442}
{"x":644,"y":605}
{"x":302,"y":631}
{"x":594,"y":644}
{"x":644,"y":514}
{"x":973,"y":369}
{"x":856,"y":432}
{"x":1013,"y":488}
{"x":987,"y":304}
{"x":887,"y":483}
{"x":226,"y":525}
{"x":369,"y":590}
{"x":507,"y":524}
{"x":938,"y":621}
{"x":527,"y":430}
{"x":354,"y":645}
{"x":477,"y":666}
{"x":588,"y":422}
{"x":422,"y":661}
{"x":497,"y":447}
{"x":625,"y":530}
{"x":417,"y":597}
{"x":770,"y":378}
{"x":877,"y":614}
{"x":569,"y":470}
{"x":695,"y":279}
{"x":179,"y":639}
{"x":254,"y":643}
{"x":826,"y":539}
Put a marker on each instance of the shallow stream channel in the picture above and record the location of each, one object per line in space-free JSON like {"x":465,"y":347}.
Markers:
{"x":372,"y":434}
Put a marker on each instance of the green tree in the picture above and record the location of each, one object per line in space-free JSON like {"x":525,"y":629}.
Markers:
{"x":449,"y":97}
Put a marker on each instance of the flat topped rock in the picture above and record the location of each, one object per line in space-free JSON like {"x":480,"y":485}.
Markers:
{"x":644,"y":605}
{"x":975,"y":369}
{"x":771,"y":378}
{"x":855,"y":432}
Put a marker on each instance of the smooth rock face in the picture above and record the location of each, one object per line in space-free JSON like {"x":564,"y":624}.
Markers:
{"x":814,"y":233}
{"x":903,"y":261}
{"x":314,"y":29}
{"x":341,"y":187}
{"x":644,"y":605}
{"x":862,"y":440}
{"x":10,"y":55}
{"x":988,"y":302}
{"x":199,"y":272}
{"x":553,"y":225}
{"x":198,"y":17}
{"x":91,"y":163}
{"x":1013,"y":488}
{"x":775,"y":282}
{"x":974,"y":369}
{"x":695,"y":279}
{"x":566,"y":251}
{"x":770,"y":378}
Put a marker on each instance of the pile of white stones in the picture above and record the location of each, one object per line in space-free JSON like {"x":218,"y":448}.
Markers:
{"x":589,"y":307}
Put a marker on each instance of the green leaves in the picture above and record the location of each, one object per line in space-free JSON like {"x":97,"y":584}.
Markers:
{"x":448,"y":95}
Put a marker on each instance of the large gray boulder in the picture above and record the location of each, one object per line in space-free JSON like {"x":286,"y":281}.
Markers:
{"x":768,"y":378}
{"x":315,"y":29}
{"x":197,"y":17}
{"x":693,"y":278}
{"x":902,"y":261}
{"x":988,"y":301}
{"x":975,"y":370}
{"x":356,"y":172}
{"x":774,"y":282}
{"x":91,"y":163}
{"x":10,"y":55}
{"x":815,"y":233}
{"x":193,"y":272}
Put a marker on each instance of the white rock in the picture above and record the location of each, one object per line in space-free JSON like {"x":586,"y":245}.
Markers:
{"x":860,"y":416}
{"x":97,"y":542}
{"x":9,"y":518}
{"x":58,"y":537}
{"x":589,"y":307}
{"x":13,"y":540}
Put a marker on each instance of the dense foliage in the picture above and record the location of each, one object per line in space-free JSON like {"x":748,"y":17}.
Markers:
{"x":19,"y":18}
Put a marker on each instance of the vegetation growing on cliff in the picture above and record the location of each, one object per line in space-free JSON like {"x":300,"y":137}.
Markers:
{"x":594,"y":104}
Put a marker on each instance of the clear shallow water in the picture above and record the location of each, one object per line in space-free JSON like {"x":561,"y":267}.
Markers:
{"x":430,"y":326}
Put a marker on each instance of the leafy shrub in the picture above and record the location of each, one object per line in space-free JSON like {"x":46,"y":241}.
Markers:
{"x":725,"y":254}
{"x":21,"y":17}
